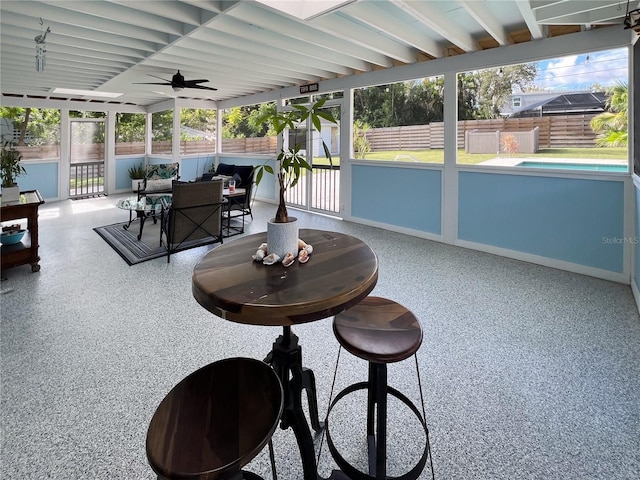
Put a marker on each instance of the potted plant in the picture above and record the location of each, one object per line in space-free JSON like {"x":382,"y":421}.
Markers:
{"x":290,"y":164}
{"x":136,"y":174}
{"x":10,"y":169}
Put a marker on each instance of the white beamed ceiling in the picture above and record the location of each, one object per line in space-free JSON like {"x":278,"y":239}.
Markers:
{"x":245,"y":47}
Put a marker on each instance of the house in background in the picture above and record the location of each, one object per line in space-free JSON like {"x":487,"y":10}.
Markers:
{"x":540,"y":104}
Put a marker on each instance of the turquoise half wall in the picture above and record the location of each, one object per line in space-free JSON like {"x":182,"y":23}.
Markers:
{"x":404,"y":197}
{"x":574,"y":220}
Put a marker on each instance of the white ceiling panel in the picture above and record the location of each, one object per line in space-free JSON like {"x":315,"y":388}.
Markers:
{"x":244,"y":47}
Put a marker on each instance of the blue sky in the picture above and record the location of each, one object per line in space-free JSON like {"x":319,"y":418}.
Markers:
{"x":576,"y":72}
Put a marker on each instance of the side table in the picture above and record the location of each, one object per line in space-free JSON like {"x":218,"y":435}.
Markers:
{"x":146,"y":206}
{"x":25,"y":251}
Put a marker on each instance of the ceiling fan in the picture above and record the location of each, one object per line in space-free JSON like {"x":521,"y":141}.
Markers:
{"x":178,"y":83}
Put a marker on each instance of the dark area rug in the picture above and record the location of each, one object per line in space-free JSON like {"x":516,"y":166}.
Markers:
{"x":134,"y":251}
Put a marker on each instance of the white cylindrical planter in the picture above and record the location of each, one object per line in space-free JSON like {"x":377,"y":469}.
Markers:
{"x":10,"y":194}
{"x":136,"y":184}
{"x":282,"y":238}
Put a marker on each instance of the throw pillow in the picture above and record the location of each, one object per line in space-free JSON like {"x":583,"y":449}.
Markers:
{"x":225,"y":169}
{"x":163,"y":184}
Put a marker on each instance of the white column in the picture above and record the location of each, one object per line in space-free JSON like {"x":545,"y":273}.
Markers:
{"x":450,"y":171}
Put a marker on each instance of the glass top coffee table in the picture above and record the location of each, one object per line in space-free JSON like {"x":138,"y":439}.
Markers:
{"x":143,"y":207}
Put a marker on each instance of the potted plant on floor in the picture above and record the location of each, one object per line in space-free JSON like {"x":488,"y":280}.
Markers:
{"x":291,"y":162}
{"x":136,"y":174}
{"x":10,"y":169}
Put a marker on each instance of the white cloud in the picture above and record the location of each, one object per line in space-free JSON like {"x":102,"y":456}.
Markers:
{"x":579,"y":72}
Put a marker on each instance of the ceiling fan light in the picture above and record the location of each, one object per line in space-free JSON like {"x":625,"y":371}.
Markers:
{"x":177,"y":89}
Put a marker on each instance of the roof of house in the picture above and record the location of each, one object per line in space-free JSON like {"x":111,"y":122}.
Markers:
{"x":563,"y":103}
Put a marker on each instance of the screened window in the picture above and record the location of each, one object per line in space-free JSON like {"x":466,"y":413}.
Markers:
{"x":242,"y":133}
{"x":130,"y":133}
{"x":571,"y":114}
{"x":162,"y":132}
{"x":197,"y":131}
{"x":34,"y":131}
{"x":400,"y":121}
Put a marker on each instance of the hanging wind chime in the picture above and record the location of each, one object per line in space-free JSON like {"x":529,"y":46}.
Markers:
{"x":41,"y":48}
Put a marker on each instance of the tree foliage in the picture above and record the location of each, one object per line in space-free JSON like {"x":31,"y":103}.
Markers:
{"x":244,"y":122}
{"x":36,"y":126}
{"x":130,"y":127}
{"x":612,"y":125}
{"x":404,"y":103}
{"x":481,"y":94}
{"x":495,"y":86}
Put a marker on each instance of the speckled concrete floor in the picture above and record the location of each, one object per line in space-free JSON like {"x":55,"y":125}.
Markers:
{"x":529,"y":372}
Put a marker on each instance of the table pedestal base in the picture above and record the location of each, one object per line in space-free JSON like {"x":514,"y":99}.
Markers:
{"x":142,"y":216}
{"x":286,"y":360}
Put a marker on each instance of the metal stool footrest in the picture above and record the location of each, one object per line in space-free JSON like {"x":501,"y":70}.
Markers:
{"x":243,"y":475}
{"x":353,"y":472}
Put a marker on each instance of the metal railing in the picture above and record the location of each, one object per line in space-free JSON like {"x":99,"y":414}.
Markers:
{"x":325,"y":190}
{"x":86,"y":179}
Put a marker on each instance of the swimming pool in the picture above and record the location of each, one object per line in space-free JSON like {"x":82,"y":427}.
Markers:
{"x":593,"y":167}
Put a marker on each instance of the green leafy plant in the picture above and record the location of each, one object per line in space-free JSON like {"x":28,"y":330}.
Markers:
{"x":361,"y":144}
{"x":10,"y":167}
{"x":612,"y":126}
{"x":290,"y":162}
{"x":137,"y":172}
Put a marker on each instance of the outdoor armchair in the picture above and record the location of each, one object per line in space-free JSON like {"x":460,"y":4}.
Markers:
{"x":194,"y":216}
{"x":241,"y":205}
{"x":158,"y":179}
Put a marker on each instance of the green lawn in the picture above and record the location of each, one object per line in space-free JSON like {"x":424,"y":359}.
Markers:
{"x":437,"y":156}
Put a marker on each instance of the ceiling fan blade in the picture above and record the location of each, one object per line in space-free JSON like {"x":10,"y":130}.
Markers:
{"x":178,"y":82}
{"x":151,"y":83}
{"x":160,"y":78}
{"x":201,"y":87}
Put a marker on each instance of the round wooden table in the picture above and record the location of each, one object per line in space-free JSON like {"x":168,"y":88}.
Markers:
{"x":341,"y":271}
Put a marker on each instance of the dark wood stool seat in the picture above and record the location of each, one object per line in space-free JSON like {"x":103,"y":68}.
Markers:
{"x":380,"y":331}
{"x":215,"y":421}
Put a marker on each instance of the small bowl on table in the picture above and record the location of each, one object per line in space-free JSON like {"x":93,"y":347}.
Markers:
{"x":12,"y":237}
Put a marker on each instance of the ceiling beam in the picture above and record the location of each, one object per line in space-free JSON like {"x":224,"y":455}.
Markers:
{"x":439,"y":23}
{"x":537,"y":31}
{"x":261,"y":16}
{"x":576,"y":13}
{"x":226,"y":39}
{"x":286,"y":46}
{"x":342,"y":27}
{"x":376,"y":17}
{"x":480,"y":14}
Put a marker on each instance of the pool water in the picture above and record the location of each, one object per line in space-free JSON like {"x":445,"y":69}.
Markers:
{"x":575,"y":166}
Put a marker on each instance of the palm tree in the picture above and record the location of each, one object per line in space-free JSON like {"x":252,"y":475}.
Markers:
{"x":611,"y":126}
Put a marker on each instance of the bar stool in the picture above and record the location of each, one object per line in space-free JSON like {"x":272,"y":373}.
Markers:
{"x":380,"y":331}
{"x":215,"y":421}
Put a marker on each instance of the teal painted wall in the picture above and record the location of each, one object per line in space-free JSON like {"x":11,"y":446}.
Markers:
{"x":575,"y":220}
{"x":404,"y":197}
{"x":123,"y":164}
{"x":193,"y":167}
{"x":43,"y":177}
